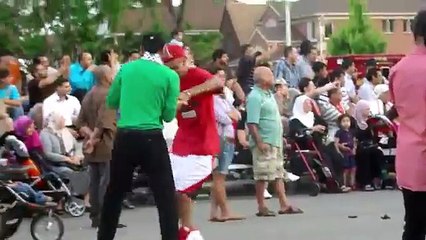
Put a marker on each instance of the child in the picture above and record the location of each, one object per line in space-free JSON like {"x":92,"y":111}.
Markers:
{"x":345,"y":145}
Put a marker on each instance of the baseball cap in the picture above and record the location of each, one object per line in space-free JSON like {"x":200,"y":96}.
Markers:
{"x":280,"y":81}
{"x":152,"y":42}
{"x":172,"y":52}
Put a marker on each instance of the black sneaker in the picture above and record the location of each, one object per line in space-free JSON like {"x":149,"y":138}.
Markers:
{"x":120,"y":225}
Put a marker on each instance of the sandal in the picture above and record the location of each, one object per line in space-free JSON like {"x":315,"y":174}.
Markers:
{"x":266,"y":213}
{"x":290,"y":210}
{"x":234,"y":219}
{"x":216,"y":219}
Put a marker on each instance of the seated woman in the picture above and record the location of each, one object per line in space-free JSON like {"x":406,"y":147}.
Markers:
{"x":369,"y":158}
{"x":307,"y":115}
{"x":25,"y":130}
{"x":63,"y":153}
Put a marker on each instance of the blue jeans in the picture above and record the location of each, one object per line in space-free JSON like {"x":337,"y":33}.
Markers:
{"x":36,"y":197}
{"x":226,"y":155}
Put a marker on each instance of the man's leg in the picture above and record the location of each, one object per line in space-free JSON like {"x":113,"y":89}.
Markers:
{"x":104,"y":170}
{"x":94,"y":193}
{"x":260,"y":189}
{"x":122,"y":165}
{"x":415,"y":215}
{"x":157,"y":165}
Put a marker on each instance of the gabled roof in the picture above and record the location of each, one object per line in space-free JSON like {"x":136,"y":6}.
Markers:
{"x":204,"y":14}
{"x":140,"y":19}
{"x":304,"y":8}
{"x":244,"y":18}
{"x":199,"y":14}
{"x":277,"y":33}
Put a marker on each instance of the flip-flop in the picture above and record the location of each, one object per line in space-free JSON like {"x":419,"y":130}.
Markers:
{"x":216,"y":219}
{"x":234,"y":219}
{"x":290,"y":210}
{"x":266,"y":213}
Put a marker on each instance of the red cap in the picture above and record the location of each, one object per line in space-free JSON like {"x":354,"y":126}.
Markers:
{"x":172,"y":52}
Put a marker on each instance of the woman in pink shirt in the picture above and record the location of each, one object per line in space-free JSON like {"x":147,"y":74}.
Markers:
{"x":408,"y":90}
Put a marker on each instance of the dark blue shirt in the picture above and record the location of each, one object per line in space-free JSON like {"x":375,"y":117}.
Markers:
{"x":345,"y":136}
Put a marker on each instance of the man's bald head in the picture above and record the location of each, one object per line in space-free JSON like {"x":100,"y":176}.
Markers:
{"x":263,"y":77}
{"x":103,"y":74}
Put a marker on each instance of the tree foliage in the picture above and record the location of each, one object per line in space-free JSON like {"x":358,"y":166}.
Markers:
{"x":358,"y":36}
{"x":57,"y":27}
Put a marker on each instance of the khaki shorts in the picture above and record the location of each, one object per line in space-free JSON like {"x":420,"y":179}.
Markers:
{"x":268,"y":166}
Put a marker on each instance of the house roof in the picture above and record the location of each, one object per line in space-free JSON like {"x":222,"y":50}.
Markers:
{"x":141,"y":20}
{"x":244,"y":18}
{"x":277,"y":33}
{"x":199,"y":14}
{"x":204,"y":14}
{"x":304,"y":8}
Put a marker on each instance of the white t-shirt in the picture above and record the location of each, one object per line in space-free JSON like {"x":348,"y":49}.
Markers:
{"x":349,"y":85}
{"x":69,"y":108}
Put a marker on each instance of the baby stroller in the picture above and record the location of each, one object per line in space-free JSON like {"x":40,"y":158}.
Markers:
{"x":45,"y":224}
{"x":40,"y":176}
{"x":306,"y":160}
{"x":140,"y":187}
{"x":385,"y":133}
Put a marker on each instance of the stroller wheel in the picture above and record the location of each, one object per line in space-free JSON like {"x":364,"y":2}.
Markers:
{"x":75,"y":207}
{"x":316,"y":188}
{"x":47,"y":226}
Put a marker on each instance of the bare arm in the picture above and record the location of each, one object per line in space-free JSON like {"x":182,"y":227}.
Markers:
{"x":236,"y":88}
{"x":50,"y":79}
{"x":208,"y":86}
{"x":12,"y":103}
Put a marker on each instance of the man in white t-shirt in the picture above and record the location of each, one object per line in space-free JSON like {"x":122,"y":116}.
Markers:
{"x":349,"y":67}
{"x":68,"y":106}
{"x":372,"y":78}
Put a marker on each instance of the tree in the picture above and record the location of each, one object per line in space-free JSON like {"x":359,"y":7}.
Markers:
{"x":202,"y":45}
{"x":358,"y":36}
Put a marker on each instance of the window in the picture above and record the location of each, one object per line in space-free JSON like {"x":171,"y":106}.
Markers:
{"x":328,"y":30}
{"x":311,"y":30}
{"x":407,"y":25}
{"x":388,"y":25}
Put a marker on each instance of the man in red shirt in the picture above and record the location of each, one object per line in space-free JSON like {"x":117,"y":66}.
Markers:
{"x":197,"y":141}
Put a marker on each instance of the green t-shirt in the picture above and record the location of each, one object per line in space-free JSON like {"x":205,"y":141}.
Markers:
{"x":262,"y":110}
{"x":146,"y":93}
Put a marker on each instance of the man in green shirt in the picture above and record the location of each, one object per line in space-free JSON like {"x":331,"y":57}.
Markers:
{"x":146,"y":92}
{"x":266,"y":141}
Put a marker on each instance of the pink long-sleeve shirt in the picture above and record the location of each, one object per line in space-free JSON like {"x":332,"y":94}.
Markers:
{"x":408,"y":90}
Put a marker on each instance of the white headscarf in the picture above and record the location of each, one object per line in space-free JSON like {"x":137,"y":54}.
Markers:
{"x":63,"y":133}
{"x":306,"y":118}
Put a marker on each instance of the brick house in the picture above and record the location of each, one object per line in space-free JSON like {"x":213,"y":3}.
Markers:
{"x":238,"y":23}
{"x":318,"y":20}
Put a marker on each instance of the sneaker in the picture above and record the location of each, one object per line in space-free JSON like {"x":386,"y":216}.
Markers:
{"x":127,"y":204}
{"x":368,"y":188}
{"x":292,"y":177}
{"x":267,"y":195}
{"x":186,"y":233}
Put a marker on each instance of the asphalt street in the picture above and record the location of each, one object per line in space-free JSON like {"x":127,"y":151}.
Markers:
{"x":326,"y":217}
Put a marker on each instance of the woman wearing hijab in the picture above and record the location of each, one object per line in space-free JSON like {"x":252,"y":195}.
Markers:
{"x":63,"y":153}
{"x":306,"y":115}
{"x":368,"y":156}
{"x":25,"y":130}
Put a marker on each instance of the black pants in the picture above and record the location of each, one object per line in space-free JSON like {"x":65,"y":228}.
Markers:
{"x":369,"y":162}
{"x":149,"y":150}
{"x":415,"y":215}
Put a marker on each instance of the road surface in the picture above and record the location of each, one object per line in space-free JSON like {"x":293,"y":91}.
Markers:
{"x":325,"y":218}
